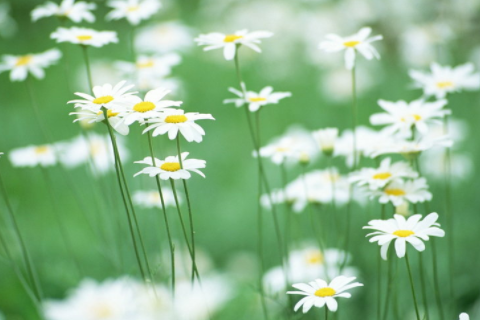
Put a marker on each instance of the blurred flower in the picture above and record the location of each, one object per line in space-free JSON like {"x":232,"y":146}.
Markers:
{"x":351,"y":44}
{"x":174,"y":121}
{"x":445,"y":79}
{"x":326,"y":139}
{"x":434,"y":162}
{"x":20,"y":66}
{"x":150,"y":107}
{"x":170,"y":168}
{"x":151,"y":199}
{"x":318,"y":293}
{"x":163,"y":37}
{"x":377,"y":178}
{"x":411,"y":149}
{"x":75,"y":11}
{"x":464,"y":316}
{"x":399,"y":191}
{"x":403,"y":117}
{"x":84,"y":36}
{"x":133,"y":10}
{"x":8,"y":26}
{"x":230,"y":42}
{"x":332,"y":82}
{"x":31,"y":156}
{"x":256,"y":100}
{"x":149,"y":68}
{"x":400,"y":230}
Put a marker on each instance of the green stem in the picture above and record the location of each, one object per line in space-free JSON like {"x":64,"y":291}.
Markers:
{"x":412,"y":286}
{"x":438,"y":299}
{"x":424,"y":286}
{"x":326,"y":312}
{"x":87,"y":65}
{"x":354,"y":118}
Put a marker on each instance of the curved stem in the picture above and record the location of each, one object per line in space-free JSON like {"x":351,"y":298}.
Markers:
{"x":87,"y":65}
{"x":412,"y":286}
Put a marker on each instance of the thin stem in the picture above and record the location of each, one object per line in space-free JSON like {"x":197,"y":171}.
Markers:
{"x":436,"y":285}
{"x":379,"y":287}
{"x":165,"y":217}
{"x":354,"y":118}
{"x":412,"y":286}
{"x":424,"y":285}
{"x":87,"y":65}
{"x":326,"y":313}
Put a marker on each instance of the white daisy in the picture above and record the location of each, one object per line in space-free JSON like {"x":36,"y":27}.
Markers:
{"x":84,"y":36}
{"x":170,"y":168}
{"x":133,"y":10}
{"x":230,"y":42}
{"x":174,"y":121}
{"x":111,"y":97}
{"x":377,"y":178}
{"x":165,"y":37}
{"x":75,"y":11}
{"x":400,"y":230}
{"x":151,"y":199}
{"x":445,"y":79}
{"x":149,"y":66}
{"x":114,"y":118}
{"x":318,"y":293}
{"x":31,"y":156}
{"x":326,"y":139}
{"x":357,"y":42}
{"x":411,"y":149}
{"x":400,"y":191}
{"x":402,"y":116}
{"x":464,"y":316}
{"x":256,"y":100}
{"x":150,"y":107}
{"x":20,"y":66}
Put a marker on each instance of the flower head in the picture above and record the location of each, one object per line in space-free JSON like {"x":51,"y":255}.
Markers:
{"x":75,"y":11}
{"x":445,"y":79}
{"x":20,"y":66}
{"x":326,"y":139}
{"x":175,"y":121}
{"x":133,"y":10}
{"x":149,"y":68}
{"x":256,"y":100}
{"x":464,"y":316}
{"x":31,"y":156}
{"x":357,"y":42}
{"x":318,"y":293}
{"x":230,"y":42}
{"x":151,"y":199}
{"x":84,"y":36}
{"x":171,"y":168}
{"x":399,"y":191}
{"x":401,"y":230}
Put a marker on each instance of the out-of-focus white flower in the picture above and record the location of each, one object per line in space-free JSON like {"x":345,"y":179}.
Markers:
{"x":149,"y":67}
{"x":400,"y":230}
{"x":409,"y":148}
{"x":84,"y":36}
{"x":359,"y":41}
{"x":326,"y":139}
{"x":256,"y":100}
{"x":151,"y":199}
{"x":163,"y":38}
{"x":379,"y":177}
{"x":464,"y":316}
{"x":434,"y":164}
{"x":230,"y":42}
{"x":400,"y":191}
{"x":170,"y":168}
{"x":332,"y":83}
{"x":31,"y":156}
{"x":133,"y":10}
{"x":75,"y":11}
{"x":20,"y":66}
{"x":402,"y":117}
{"x":8,"y":26}
{"x":445,"y":79}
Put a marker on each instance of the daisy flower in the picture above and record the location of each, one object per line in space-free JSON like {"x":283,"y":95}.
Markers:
{"x":149,"y":66}
{"x":75,"y":11}
{"x":400,"y":230}
{"x":149,"y":107}
{"x":170,"y":36}
{"x":464,"y":316}
{"x":400,"y":191}
{"x":133,"y":10}
{"x":445,"y":79}
{"x":411,"y":149}
{"x":114,"y":119}
{"x":357,"y":42}
{"x":84,"y":36}
{"x":108,"y":96}
{"x":230,"y":42}
{"x":170,"y":168}
{"x":377,"y":178}
{"x":174,"y":121}
{"x":319,"y":293}
{"x":151,"y":199}
{"x":402,"y":116}
{"x":31,"y":156}
{"x":256,"y":100}
{"x":20,"y":66}
{"x":326,"y":139}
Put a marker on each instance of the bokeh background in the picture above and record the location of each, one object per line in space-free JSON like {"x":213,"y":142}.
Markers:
{"x":416,"y":34}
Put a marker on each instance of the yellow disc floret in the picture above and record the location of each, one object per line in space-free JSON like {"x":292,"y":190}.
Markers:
{"x":23,"y":60}
{"x":144,"y":106}
{"x":325,"y":292}
{"x":110,"y":113}
{"x":382,"y":176}
{"x":351,"y":44}
{"x":170,"y":166}
{"x":257,"y":99}
{"x":103,"y":100}
{"x":41,"y":149}
{"x":84,"y":37}
{"x":404,"y":233}
{"x":146,"y":64}
{"x":315,"y":257}
{"x":231,"y":38}
{"x":395,"y":192}
{"x":176,"y":119}
{"x":445,"y":84}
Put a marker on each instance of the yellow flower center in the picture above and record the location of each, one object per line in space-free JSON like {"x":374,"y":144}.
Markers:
{"x":382,"y":176}
{"x":325,"y":292}
{"x":84,"y":37}
{"x":41,"y":149}
{"x":103,"y":100}
{"x":24,"y":60}
{"x":282,"y":149}
{"x":144,"y":106}
{"x":110,"y":113}
{"x":95,"y":148}
{"x":445,"y":84}
{"x":395,"y":192}
{"x":351,"y":44}
{"x":403,"y":233}
{"x":133,"y":8}
{"x":146,"y":64}
{"x":102,"y":311}
{"x":315,"y":257}
{"x":231,"y":38}
{"x":170,"y":166}
{"x":417,"y":117}
{"x":176,"y":119}
{"x":257,"y":99}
